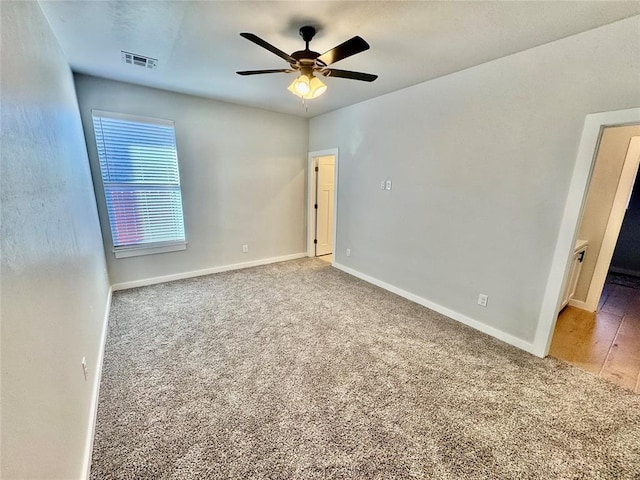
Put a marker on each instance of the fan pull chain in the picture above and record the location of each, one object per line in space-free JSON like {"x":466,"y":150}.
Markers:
{"x":305,"y":105}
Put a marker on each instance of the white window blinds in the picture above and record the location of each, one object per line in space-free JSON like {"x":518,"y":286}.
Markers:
{"x":139,"y":167}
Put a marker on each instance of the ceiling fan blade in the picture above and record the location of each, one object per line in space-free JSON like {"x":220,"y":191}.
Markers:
{"x":344,"y":50}
{"x":260,"y":72}
{"x":332,"y":72}
{"x":258,"y":41}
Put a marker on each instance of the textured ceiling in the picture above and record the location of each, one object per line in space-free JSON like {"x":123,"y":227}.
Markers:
{"x":199,"y":50}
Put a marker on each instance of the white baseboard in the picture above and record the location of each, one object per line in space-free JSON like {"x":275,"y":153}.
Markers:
{"x":625,"y":271}
{"x":207,"y":271}
{"x":579,"y":304}
{"x":494,"y":332}
{"x":95,"y":389}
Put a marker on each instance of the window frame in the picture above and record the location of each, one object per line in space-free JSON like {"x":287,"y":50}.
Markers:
{"x":149,"y":248}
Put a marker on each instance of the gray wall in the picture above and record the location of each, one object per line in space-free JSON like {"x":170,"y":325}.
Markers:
{"x":480,"y":162}
{"x":54,"y":284}
{"x":242,"y":173}
{"x":626,"y":256}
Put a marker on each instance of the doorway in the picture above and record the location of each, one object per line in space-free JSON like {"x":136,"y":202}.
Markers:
{"x":593,"y":280}
{"x":603,"y":338}
{"x":325,"y":168}
{"x":322,"y":204}
{"x":565,"y":244}
{"x":606,"y":204}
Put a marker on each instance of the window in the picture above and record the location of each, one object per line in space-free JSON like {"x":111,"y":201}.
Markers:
{"x":139,"y":167}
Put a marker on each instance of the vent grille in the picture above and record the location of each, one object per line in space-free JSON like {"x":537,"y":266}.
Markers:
{"x":140,"y":60}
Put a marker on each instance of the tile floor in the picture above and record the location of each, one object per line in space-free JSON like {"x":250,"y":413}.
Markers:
{"x":607,"y":342}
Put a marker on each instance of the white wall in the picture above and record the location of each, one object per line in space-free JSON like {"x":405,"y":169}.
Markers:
{"x":480,"y":162}
{"x":54,"y":282}
{"x":242,"y":172}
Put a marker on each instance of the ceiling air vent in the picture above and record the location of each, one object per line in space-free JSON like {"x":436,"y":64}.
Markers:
{"x":140,"y":60}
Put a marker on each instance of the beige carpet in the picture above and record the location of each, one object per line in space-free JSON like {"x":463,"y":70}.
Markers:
{"x":299,"y":371}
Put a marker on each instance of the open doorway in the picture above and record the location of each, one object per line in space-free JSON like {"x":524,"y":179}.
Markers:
{"x":322,"y":204}
{"x":606,"y":206}
{"x":567,"y":235}
{"x":599,"y":329}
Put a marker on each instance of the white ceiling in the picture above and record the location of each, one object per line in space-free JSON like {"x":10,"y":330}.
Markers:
{"x":199,"y":50}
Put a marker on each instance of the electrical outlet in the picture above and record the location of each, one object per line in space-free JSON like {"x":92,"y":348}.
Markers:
{"x":245,"y":248}
{"x":483,"y":299}
{"x":348,"y":252}
{"x":388,"y":185}
{"x":85,"y":371}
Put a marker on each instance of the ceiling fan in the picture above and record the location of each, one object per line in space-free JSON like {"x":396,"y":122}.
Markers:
{"x":308,"y":63}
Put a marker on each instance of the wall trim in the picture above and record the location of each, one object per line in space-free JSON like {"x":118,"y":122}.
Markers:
{"x":95,"y":389}
{"x":579,"y":304}
{"x":475,"y":324}
{"x":207,"y":271}
{"x":573,"y":208}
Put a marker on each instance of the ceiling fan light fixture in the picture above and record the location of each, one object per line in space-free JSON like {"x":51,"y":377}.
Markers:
{"x":317,"y":88}
{"x":307,"y":86}
{"x":307,"y":62}
{"x":300,"y":86}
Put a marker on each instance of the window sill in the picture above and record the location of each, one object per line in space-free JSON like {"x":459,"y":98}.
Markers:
{"x":126,"y":252}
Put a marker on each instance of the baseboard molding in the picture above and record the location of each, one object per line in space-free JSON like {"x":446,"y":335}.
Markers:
{"x":95,"y":388}
{"x":579,"y":304}
{"x":207,"y":271}
{"x":475,"y":324}
{"x":625,"y":271}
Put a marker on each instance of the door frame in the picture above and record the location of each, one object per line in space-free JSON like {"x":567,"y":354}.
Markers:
{"x":571,"y":217}
{"x":311,"y":190}
{"x":614,"y":225}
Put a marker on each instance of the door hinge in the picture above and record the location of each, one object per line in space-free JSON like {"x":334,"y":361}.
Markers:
{"x":315,"y":206}
{"x":315,"y":240}
{"x":581,"y":257}
{"x":316,"y":169}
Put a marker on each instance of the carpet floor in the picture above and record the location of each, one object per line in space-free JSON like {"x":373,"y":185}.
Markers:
{"x":297,"y":370}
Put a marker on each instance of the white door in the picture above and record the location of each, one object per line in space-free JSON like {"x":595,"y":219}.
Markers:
{"x":324,"y":201}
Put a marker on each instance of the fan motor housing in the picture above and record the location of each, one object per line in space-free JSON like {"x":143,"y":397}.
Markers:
{"x":302,"y":55}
